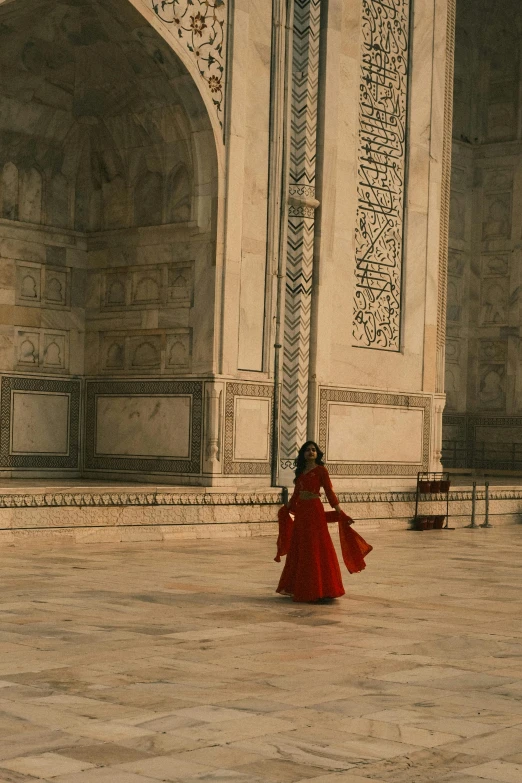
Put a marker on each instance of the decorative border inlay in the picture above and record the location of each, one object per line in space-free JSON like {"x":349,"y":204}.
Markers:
{"x":231,"y":466}
{"x":151,"y":389}
{"x":108,"y":499}
{"x":200,"y":26}
{"x":381,"y":173}
{"x":44,"y":385}
{"x":327,"y":395}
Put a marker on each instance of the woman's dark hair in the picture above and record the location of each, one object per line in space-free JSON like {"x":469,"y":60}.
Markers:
{"x":300,"y":462}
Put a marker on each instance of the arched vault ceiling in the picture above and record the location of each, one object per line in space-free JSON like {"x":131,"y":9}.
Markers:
{"x":90,"y":93}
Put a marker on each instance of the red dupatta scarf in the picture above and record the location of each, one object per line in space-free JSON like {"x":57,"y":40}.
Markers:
{"x":353,"y":546}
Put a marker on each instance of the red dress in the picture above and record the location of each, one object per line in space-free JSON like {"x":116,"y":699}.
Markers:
{"x":311,"y":570}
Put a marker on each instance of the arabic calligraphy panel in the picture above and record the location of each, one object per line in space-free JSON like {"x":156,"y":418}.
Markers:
{"x":381,"y":168}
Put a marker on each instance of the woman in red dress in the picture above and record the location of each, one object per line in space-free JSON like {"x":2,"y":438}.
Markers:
{"x":311,"y":570}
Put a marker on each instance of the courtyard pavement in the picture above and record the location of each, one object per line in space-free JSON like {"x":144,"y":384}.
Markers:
{"x":148,"y":662}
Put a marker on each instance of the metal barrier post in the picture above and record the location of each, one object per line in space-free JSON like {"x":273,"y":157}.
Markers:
{"x":486,"y":502}
{"x":473,"y":505}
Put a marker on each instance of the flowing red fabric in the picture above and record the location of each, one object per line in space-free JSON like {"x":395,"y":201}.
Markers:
{"x":353,"y":546}
{"x":312,"y":570}
{"x":286,"y":528}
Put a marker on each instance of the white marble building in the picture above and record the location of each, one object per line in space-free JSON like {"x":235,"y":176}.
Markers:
{"x":224,"y":229}
{"x":483,"y":424}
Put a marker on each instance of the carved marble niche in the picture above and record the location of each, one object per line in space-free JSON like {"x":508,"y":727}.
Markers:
{"x":492,"y":374}
{"x":494,"y":302}
{"x":458,"y":217}
{"x":148,"y":287}
{"x":494,"y":265}
{"x":456,"y":263}
{"x":146,"y":353}
{"x":492,"y":386}
{"x":452,"y":386}
{"x":496,"y":220}
{"x":454,"y":304}
{"x":42,"y":350}
{"x":492,"y":350}
{"x":40,"y":285}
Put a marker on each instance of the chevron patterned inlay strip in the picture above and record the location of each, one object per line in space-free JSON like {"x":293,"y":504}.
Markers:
{"x":300,"y":242}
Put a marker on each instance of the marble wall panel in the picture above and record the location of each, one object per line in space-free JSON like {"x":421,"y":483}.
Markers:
{"x":374,"y":434}
{"x":39,"y":423}
{"x":366,"y":435}
{"x":248,"y":406}
{"x":145,"y":427}
{"x":252,"y":312}
{"x":252,"y":428}
{"x":152,"y":426}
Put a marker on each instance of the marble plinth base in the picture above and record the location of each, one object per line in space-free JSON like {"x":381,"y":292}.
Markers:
{"x":91,"y":512}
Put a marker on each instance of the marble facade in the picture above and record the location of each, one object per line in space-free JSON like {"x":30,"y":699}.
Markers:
{"x":483,"y":369}
{"x":187,"y":194}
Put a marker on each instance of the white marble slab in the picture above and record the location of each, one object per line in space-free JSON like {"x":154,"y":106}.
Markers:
{"x":146,"y":426}
{"x":39,"y":423}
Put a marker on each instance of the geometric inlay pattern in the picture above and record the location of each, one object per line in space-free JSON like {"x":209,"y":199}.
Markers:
{"x":408,"y":401}
{"x":72,"y":388}
{"x":111,"y":499}
{"x":200,"y":26}
{"x":381,"y":173}
{"x":144,"y":464}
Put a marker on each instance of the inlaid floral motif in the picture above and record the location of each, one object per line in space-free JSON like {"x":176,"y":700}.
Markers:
{"x":200,"y":24}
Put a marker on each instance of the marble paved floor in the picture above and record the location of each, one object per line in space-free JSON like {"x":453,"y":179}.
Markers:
{"x":147,"y":662}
